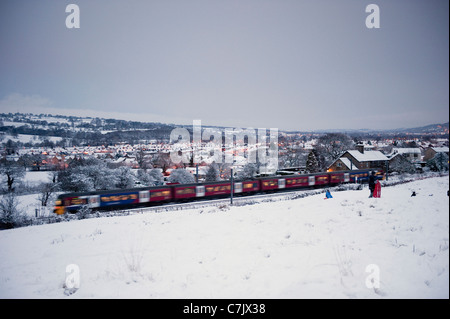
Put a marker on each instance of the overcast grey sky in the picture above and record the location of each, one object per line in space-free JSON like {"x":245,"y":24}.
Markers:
{"x":288,"y":64}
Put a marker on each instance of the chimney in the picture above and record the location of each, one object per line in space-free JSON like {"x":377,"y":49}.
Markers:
{"x":360,"y":148}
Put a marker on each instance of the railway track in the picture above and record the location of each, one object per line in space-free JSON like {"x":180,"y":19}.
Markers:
{"x":169,"y":207}
{"x":224,"y":202}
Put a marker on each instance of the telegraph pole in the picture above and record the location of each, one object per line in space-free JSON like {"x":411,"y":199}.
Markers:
{"x":196,"y":173}
{"x":387,"y":170}
{"x":232,"y":187}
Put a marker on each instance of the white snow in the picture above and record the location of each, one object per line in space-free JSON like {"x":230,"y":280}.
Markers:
{"x":303,"y":248}
{"x":28,"y":138}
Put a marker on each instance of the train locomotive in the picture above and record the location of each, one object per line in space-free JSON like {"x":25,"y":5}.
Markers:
{"x":157,"y":195}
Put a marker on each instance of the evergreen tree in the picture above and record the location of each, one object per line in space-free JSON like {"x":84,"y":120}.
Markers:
{"x":439,"y":163}
{"x":212,"y":174}
{"x":312,"y":166}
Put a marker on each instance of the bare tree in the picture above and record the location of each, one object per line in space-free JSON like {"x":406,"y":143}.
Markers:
{"x":162,"y":160}
{"x":142,"y":159}
{"x":293,"y":157}
{"x":330,"y":146}
{"x":47,"y":192}
{"x":11,"y":172}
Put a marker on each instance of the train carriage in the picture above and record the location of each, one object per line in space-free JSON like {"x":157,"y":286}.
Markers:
{"x":115,"y":199}
{"x":321,"y":179}
{"x":111,"y":199}
{"x":272,"y":183}
{"x":182,"y":191}
{"x":297,"y":181}
{"x":160,"y":194}
{"x":217,"y":189}
{"x":246,"y":187}
{"x":213,"y":189}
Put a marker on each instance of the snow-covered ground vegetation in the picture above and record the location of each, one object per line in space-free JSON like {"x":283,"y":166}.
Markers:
{"x":348,"y":246}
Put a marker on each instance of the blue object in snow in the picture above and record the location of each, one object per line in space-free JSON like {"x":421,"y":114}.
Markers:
{"x":328,"y":194}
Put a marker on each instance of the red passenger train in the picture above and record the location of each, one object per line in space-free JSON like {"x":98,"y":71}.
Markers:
{"x":146,"y":196}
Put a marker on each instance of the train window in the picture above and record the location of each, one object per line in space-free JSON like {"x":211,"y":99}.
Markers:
{"x":78,"y":201}
{"x":220,"y":188}
{"x":271,"y":183}
{"x":160,"y":193}
{"x":185,"y":191}
{"x":117,"y":198}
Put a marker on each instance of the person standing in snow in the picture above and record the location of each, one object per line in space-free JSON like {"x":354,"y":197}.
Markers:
{"x":372,"y":180}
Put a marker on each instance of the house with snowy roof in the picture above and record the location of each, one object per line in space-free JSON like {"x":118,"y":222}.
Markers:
{"x":431,"y":152}
{"x":412,"y":154}
{"x":359,"y":159}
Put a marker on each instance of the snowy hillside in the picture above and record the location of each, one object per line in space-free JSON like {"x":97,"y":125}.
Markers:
{"x":303,"y":248}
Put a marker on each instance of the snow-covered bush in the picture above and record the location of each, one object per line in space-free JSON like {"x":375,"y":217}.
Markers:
{"x":95,"y":177}
{"x":181,"y":176}
{"x":74,"y":180}
{"x":157,"y":176}
{"x":124,"y":177}
{"x":248,"y":171}
{"x":152,"y":177}
{"x":84,"y":212}
{"x":10,"y":215}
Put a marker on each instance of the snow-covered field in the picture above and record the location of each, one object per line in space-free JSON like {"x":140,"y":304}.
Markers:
{"x":304,"y":248}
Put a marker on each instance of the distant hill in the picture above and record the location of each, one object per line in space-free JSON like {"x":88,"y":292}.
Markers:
{"x":432,"y":128}
{"x":428,"y":129}
{"x":98,"y":131}
{"x":81,"y":130}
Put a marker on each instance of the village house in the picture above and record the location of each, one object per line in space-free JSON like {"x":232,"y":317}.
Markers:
{"x":412,"y":154}
{"x":405,"y":159}
{"x":431,"y":152}
{"x":359,"y":159}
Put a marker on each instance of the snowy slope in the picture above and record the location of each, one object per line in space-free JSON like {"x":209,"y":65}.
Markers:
{"x":304,"y":248}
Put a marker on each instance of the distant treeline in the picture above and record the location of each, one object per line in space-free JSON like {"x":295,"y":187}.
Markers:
{"x":121,"y":130}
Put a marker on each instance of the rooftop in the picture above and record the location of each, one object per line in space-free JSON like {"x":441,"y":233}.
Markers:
{"x":368,"y":156}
